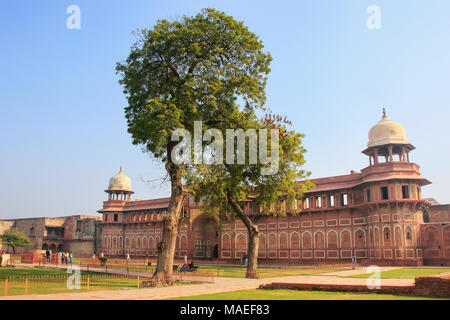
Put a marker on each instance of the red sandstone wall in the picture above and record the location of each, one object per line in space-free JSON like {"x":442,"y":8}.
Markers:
{"x":435,"y":239}
{"x":314,"y":236}
{"x":439,"y":213}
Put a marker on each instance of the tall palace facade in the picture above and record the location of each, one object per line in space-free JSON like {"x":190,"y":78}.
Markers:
{"x":377,"y":215}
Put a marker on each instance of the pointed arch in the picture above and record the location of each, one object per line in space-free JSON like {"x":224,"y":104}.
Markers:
{"x":319,"y":240}
{"x":332,"y":239}
{"x":307,"y":240}
{"x":346,"y":238}
{"x":294,"y":240}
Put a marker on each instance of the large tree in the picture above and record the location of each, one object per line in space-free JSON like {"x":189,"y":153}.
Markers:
{"x":243,"y":189}
{"x":197,"y":68}
{"x":14,"y":239}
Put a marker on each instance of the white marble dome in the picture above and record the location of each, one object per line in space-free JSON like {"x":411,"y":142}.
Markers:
{"x":385,"y":132}
{"x":120,"y":182}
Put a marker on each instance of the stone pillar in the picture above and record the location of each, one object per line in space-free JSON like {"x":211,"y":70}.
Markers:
{"x":390,"y":153}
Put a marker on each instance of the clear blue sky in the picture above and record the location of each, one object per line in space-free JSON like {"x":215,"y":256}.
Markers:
{"x":62,"y":125}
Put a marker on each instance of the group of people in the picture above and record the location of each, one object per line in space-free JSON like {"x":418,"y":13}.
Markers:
{"x":61,"y":256}
{"x":187,"y":266}
{"x":100,"y":255}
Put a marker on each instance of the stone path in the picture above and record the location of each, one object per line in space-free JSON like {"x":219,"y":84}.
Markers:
{"x":221,"y":284}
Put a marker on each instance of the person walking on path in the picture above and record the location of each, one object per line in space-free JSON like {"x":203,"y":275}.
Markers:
{"x":245,"y":259}
{"x":354,"y":261}
{"x":47,"y":255}
{"x":147,"y":261}
{"x":71,"y":257}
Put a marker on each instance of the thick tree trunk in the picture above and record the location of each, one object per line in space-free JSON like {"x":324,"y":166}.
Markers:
{"x":166,"y":248}
{"x":253,"y":238}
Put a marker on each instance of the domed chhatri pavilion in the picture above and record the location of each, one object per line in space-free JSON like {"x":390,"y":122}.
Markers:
{"x":376,"y":215}
{"x":119,"y":187}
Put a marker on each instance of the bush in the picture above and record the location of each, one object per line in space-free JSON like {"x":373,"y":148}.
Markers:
{"x":103,"y":260}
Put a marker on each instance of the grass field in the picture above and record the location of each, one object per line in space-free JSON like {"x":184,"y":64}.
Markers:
{"x":239,"y":272}
{"x":47,"y":280}
{"x":235,"y":271}
{"x":258,"y":294}
{"x":405,"y":273}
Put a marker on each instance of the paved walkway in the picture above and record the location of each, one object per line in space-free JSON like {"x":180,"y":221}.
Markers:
{"x":221,"y":284}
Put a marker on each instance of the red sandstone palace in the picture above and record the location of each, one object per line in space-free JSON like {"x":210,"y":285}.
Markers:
{"x":377,"y":215}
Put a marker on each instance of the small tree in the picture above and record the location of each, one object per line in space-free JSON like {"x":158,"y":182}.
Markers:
{"x":227,"y":188}
{"x":15,"y":239}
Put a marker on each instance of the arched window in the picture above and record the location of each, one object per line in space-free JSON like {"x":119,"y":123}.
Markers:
{"x":241,"y":242}
{"x":446,"y":234}
{"x":360,"y":239}
{"x":272,"y":241}
{"x":408,"y":235}
{"x":226,"y":241}
{"x":295,"y":241}
{"x":387,"y":235}
{"x":306,"y":240}
{"x":184,"y":242}
{"x":262,"y":241}
{"x":332,"y":240}
{"x":346,"y":241}
{"x":319,"y":240}
{"x":283,"y":241}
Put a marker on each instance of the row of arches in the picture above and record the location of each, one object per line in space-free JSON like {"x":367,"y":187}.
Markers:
{"x":150,"y":242}
{"x":431,"y":237}
{"x":332,"y":239}
{"x":405,"y":236}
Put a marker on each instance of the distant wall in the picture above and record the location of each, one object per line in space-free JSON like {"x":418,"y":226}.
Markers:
{"x":435,"y":239}
{"x":438,"y":213}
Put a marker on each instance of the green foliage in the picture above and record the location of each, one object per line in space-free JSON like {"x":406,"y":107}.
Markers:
{"x":214,"y":185}
{"x":103,"y":260}
{"x":15,"y":239}
{"x":197,"y":68}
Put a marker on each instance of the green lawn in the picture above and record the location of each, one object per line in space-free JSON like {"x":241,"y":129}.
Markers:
{"x":405,"y":273}
{"x":258,"y":294}
{"x":47,"y":280}
{"x":235,"y":271}
{"x":239,"y":272}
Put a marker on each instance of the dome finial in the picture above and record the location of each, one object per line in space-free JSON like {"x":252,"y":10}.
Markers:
{"x":384,"y":113}
{"x":120,"y":170}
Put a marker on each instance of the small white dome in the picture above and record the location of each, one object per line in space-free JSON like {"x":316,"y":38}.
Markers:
{"x":120,"y":182}
{"x":386,"y":132}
